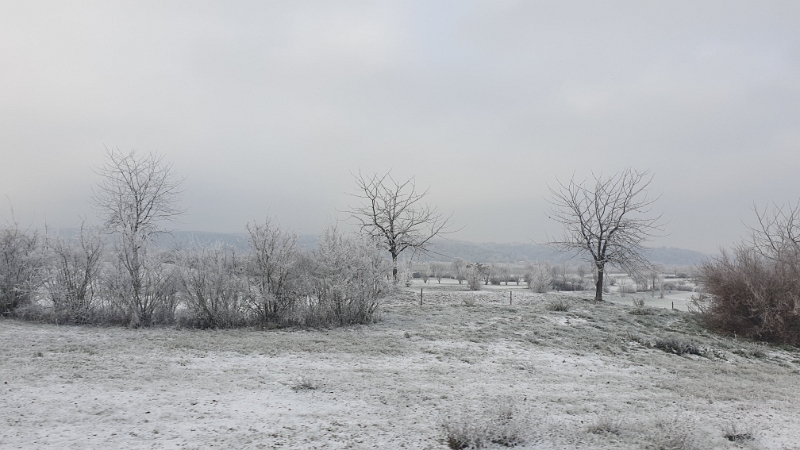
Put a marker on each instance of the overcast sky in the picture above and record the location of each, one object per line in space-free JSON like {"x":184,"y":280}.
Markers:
{"x":265,"y":108}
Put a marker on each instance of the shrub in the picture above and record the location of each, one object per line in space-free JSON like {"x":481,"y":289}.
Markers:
{"x":272,"y":272}
{"x":752,"y":296}
{"x":347,"y":280}
{"x":147,"y":297}
{"x":21,"y":264}
{"x":73,"y":279}
{"x":212,"y":286}
{"x":638,"y":303}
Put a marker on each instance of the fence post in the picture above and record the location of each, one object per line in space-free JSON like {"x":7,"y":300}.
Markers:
{"x":420,"y":296}
{"x":510,"y":297}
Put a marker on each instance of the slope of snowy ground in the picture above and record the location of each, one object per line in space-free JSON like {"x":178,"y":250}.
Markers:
{"x":589,"y":377}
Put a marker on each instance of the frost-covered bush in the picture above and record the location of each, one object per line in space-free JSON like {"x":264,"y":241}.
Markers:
{"x":144,"y":297}
{"x":72,"y":283}
{"x":213,"y":286}
{"x":274,"y":272}
{"x":751,"y":295}
{"x":21,"y":267}
{"x":347,"y":277}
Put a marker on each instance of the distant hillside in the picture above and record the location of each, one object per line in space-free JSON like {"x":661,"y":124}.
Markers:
{"x":490,"y":252}
{"x":444,"y":249}
{"x":237,"y":240}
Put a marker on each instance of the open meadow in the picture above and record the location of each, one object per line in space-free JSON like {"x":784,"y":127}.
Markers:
{"x":549,"y":371}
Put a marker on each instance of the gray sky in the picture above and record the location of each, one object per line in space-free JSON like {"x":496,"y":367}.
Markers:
{"x":266,"y":107}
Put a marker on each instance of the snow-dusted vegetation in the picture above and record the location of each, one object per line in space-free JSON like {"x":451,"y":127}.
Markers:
{"x":437,"y":376}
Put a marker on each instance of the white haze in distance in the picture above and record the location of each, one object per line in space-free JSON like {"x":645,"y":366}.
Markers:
{"x":267,"y":107}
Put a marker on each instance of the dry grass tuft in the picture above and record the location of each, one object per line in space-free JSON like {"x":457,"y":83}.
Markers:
{"x":305,"y":384}
{"x":606,"y":425}
{"x":677,"y":346}
{"x":558,"y":305}
{"x":503,"y":425}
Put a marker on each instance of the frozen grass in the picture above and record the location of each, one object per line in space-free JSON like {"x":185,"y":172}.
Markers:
{"x":403,"y":382}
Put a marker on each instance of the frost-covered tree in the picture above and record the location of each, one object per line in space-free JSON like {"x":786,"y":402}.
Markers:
{"x":136,"y":194}
{"x":438,"y":271}
{"x":538,"y":278}
{"x":459,"y":269}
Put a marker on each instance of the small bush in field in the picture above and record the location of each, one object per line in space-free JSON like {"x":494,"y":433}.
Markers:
{"x":638,"y":303}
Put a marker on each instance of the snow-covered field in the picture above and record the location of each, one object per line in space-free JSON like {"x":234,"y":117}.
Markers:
{"x":588,"y":377}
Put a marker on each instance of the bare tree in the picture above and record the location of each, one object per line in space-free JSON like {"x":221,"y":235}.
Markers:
{"x":438,"y":271}
{"x":425,"y":272}
{"x":777,"y":236}
{"x":504,"y":272}
{"x":392,"y":213}
{"x":606,"y":220}
{"x":136,"y":194}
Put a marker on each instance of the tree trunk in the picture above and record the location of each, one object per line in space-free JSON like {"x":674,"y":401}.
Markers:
{"x":598,"y":293}
{"x":394,"y":268}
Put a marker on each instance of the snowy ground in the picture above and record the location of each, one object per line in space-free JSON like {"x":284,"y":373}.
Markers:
{"x":583,"y":378}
